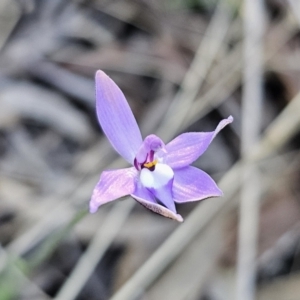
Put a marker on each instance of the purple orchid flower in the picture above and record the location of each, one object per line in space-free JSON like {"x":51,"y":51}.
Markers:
{"x":161,"y":174}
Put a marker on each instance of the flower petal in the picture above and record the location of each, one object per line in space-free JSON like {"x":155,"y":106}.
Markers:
{"x":157,"y":178}
{"x":116,"y":118}
{"x":192,"y":184}
{"x":147,"y":199}
{"x":187,"y":147}
{"x":159,"y":182}
{"x":112,"y":185}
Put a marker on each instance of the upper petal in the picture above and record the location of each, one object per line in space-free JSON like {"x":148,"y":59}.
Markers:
{"x":192,"y":184}
{"x":112,"y":185}
{"x":116,"y":118}
{"x":147,"y":199}
{"x":187,"y":147}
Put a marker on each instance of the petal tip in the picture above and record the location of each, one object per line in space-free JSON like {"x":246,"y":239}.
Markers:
{"x":230,"y":119}
{"x":179,"y":218}
{"x":102,"y":77}
{"x":100,"y":73}
{"x":221,"y":194}
{"x":218,"y":194}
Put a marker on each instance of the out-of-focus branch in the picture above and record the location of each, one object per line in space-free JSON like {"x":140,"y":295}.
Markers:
{"x":95,"y":251}
{"x":192,"y":82}
{"x":295,"y":6}
{"x":251,"y":123}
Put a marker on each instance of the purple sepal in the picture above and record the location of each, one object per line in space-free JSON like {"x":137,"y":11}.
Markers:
{"x":116,"y":118}
{"x":192,"y":184}
{"x":146,"y":198}
{"x":187,"y":147}
{"x":112,"y":185}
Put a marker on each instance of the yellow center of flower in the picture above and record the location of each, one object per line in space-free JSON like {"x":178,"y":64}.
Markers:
{"x":150,"y":164}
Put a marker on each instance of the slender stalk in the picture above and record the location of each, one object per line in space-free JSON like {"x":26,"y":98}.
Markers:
{"x":251,"y":124}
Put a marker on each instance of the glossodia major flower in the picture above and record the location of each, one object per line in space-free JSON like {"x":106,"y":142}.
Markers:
{"x":161,"y":174}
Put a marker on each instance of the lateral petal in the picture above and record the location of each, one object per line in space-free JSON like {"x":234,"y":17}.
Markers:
{"x":112,"y":185}
{"x":116,"y":118}
{"x":187,"y":147}
{"x":147,"y":199}
{"x":192,"y":184}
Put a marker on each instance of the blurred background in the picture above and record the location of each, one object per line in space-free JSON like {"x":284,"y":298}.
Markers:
{"x":183,"y":66}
